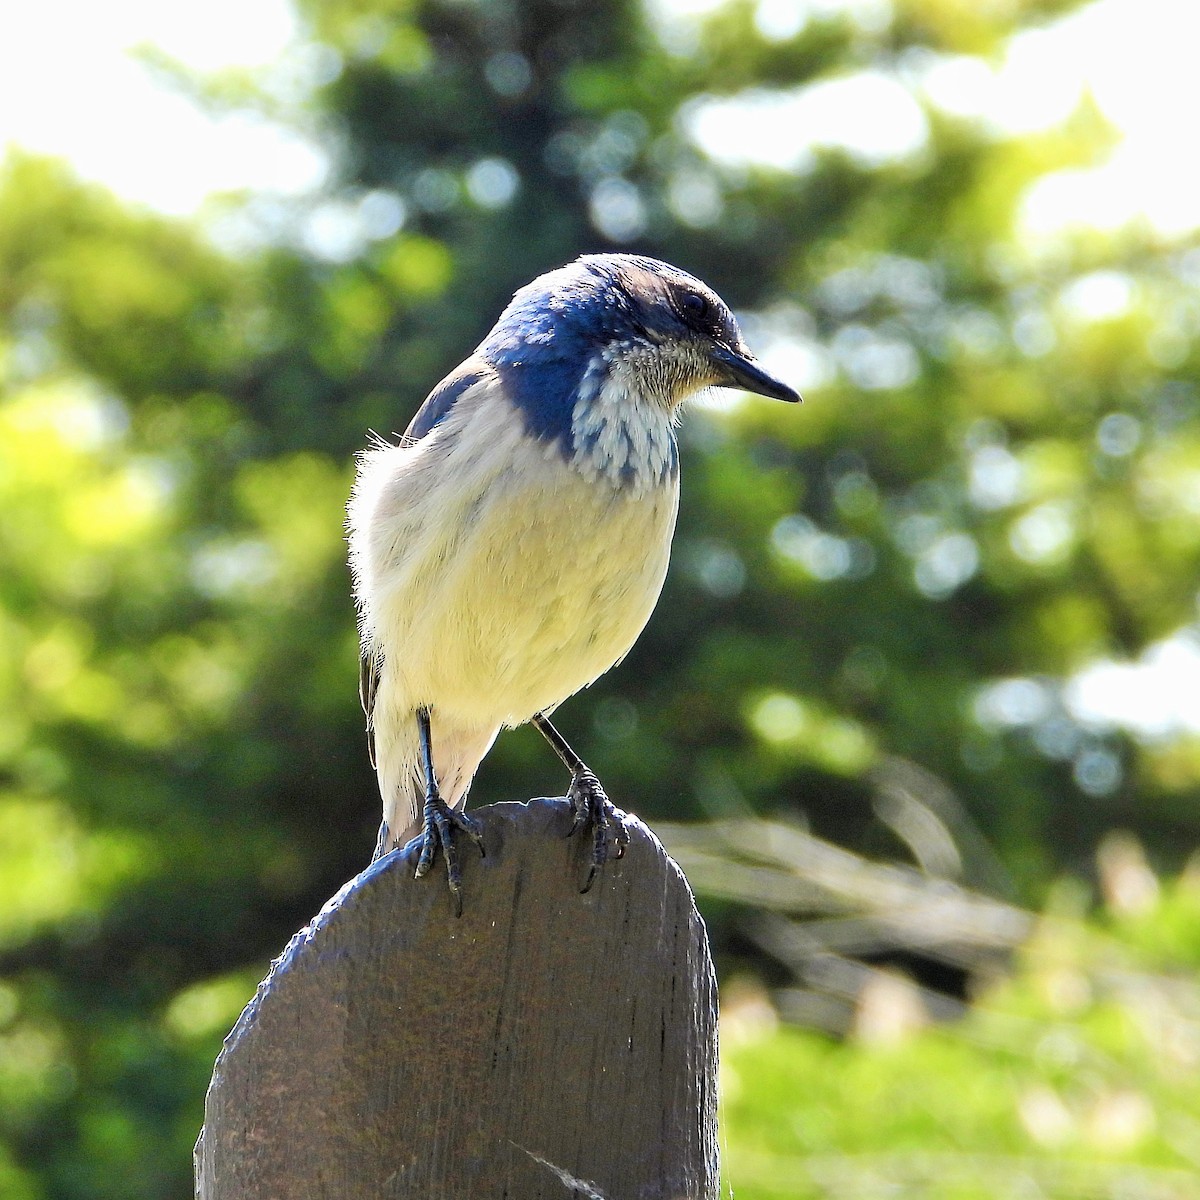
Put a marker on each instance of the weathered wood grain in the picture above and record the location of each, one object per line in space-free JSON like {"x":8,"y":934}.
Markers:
{"x":546,"y":1045}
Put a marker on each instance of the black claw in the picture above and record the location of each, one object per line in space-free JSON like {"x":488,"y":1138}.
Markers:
{"x":591,"y":806}
{"x":622,"y":838}
{"x":440,"y":823}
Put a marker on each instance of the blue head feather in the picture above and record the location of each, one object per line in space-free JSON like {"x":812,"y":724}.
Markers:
{"x":547,"y":340}
{"x":563,"y":336}
{"x":574,"y":324}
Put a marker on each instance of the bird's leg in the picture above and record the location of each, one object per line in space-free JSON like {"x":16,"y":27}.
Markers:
{"x":383,"y":842}
{"x":590,"y":804}
{"x":440,"y":821}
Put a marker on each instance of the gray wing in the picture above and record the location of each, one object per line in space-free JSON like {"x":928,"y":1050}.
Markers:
{"x":442,"y":399}
{"x":369,"y":668}
{"x":437,"y":405}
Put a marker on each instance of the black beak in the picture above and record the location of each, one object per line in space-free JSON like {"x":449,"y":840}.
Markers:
{"x":740,"y":370}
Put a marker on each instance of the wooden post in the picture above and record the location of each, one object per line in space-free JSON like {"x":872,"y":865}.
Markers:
{"x":546,"y":1045}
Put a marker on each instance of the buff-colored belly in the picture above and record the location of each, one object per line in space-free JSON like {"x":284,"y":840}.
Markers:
{"x":539,"y":590}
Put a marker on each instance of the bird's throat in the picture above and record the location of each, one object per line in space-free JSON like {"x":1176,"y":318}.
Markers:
{"x":621,"y":434}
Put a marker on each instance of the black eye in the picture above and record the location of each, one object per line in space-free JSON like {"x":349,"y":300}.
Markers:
{"x":694,"y":305}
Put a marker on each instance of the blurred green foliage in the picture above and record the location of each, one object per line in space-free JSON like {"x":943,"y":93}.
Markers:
{"x":1075,"y":1077}
{"x":994,"y":479}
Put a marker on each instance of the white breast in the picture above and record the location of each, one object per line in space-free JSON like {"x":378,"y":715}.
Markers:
{"x":496,"y":577}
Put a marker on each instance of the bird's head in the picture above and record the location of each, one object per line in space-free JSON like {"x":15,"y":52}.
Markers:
{"x":667,"y":332}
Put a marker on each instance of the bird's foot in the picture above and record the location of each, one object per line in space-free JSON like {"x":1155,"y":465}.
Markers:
{"x":440,"y":822}
{"x":591,"y":806}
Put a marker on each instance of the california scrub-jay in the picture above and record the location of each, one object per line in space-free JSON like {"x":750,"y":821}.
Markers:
{"x":511,"y":547}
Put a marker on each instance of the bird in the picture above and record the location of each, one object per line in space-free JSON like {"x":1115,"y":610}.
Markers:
{"x":510,"y":546}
